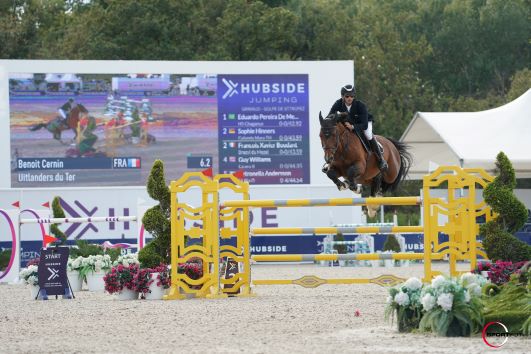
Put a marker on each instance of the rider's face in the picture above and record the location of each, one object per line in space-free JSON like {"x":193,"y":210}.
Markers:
{"x":348,"y":99}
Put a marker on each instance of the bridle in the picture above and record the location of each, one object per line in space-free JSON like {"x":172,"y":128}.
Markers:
{"x":334,"y":149}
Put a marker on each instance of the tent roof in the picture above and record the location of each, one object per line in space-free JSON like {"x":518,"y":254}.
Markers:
{"x":472,"y":139}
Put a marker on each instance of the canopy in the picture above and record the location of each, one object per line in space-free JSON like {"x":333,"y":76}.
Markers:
{"x":472,"y":139}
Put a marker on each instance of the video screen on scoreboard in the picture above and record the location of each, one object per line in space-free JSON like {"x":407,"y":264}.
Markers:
{"x":71,"y":129}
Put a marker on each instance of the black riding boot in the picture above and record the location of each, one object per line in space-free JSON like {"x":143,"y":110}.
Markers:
{"x":382,"y":164}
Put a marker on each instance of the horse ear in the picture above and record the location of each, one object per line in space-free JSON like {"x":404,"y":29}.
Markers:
{"x":320,"y":118}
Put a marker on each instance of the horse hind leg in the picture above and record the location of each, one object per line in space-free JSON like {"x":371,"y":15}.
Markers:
{"x":376,"y":186}
{"x":352,"y":175}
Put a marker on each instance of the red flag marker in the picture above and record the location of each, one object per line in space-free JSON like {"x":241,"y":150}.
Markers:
{"x":208,"y":172}
{"x":46,"y":205}
{"x":49,"y":239}
{"x":238,"y":174}
{"x":16,"y":204}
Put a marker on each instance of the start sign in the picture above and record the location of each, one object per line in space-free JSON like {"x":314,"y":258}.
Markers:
{"x":52,"y":271}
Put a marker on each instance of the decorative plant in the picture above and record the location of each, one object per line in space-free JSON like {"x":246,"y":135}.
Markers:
{"x":126,"y":259}
{"x":85,"y":249}
{"x":30,"y":275}
{"x":510,"y":303}
{"x":452,"y":308}
{"x":144,"y":279}
{"x":121,"y":277}
{"x":499,"y":242}
{"x":391,"y":244}
{"x":94,"y":264}
{"x":74,"y":265}
{"x":340,"y":248}
{"x":193,"y":269}
{"x":500,"y":272}
{"x":156,"y":220}
{"x":5,"y":256}
{"x":482,"y":266}
{"x":405,"y":301}
{"x":58,"y":212}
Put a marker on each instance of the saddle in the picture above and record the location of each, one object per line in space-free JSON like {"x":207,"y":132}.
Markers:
{"x":365,"y":142}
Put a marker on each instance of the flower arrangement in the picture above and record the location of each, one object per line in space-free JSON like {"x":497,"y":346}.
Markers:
{"x":144,"y":279}
{"x":193,"y":269}
{"x":121,"y":277}
{"x":94,"y":264}
{"x":452,"y":307}
{"x":500,"y":272}
{"x":74,"y":265}
{"x":482,"y":266}
{"x":126,"y":260}
{"x":30,"y":275}
{"x":405,"y":301}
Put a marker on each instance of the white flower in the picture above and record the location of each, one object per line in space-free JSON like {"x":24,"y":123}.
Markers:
{"x":413,"y":284}
{"x":402,"y":299}
{"x":389,"y":299}
{"x":445,"y":300}
{"x":438,"y":281}
{"x":468,"y":279}
{"x":428,"y":302}
{"x":467,"y":297}
{"x":474,"y":289}
{"x":32,"y":280}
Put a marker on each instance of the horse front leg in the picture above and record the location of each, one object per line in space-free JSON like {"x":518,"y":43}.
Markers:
{"x":333,"y":175}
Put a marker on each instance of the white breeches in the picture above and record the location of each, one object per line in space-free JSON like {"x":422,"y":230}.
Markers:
{"x":62,"y":113}
{"x":368,"y":132}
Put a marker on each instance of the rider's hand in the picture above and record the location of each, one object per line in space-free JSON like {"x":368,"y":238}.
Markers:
{"x":348,"y":125}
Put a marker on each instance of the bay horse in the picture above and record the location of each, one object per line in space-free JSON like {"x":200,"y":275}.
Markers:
{"x":347,"y":157}
{"x":58,"y":125}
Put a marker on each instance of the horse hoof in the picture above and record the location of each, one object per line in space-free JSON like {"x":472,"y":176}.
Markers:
{"x":325,"y":168}
{"x":356,"y":188}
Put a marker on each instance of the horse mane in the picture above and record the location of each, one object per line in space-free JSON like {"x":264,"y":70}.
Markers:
{"x":81,"y":108}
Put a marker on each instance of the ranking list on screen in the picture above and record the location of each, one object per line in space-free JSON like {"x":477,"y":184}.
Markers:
{"x":263,"y":127}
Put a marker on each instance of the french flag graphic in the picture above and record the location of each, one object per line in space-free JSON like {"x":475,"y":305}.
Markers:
{"x":133,"y":163}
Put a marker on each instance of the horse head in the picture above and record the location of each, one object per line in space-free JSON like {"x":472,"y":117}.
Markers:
{"x":330,"y":135}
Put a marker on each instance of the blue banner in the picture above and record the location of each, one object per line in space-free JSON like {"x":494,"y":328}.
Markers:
{"x":264,"y":128}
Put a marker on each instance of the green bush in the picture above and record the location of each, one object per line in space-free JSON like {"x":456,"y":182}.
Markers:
{"x":391,"y":244}
{"x":5,"y":256}
{"x":156,"y":220}
{"x":85,"y":249}
{"x":341,"y":249}
{"x":510,"y":303}
{"x":498,"y":242}
{"x":58,"y":212}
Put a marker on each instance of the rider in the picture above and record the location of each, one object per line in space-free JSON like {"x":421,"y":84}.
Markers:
{"x":65,"y":109}
{"x":359,"y":118}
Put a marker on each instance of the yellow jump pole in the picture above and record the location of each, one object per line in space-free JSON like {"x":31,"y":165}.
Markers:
{"x":334,"y":230}
{"x":324,"y":202}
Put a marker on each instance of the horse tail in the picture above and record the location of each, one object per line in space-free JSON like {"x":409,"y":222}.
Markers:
{"x":406,"y":160}
{"x":37,"y":127}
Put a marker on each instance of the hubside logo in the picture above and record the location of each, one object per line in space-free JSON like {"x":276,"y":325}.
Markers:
{"x":231,"y":88}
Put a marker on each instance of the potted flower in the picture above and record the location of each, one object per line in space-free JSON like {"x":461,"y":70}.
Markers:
{"x":500,"y":272}
{"x":30,"y":276}
{"x":93,"y":268}
{"x":122,"y":281}
{"x":405,"y":301}
{"x":126,"y":259}
{"x":451,"y":308}
{"x":151,"y":283}
{"x":73,"y":268}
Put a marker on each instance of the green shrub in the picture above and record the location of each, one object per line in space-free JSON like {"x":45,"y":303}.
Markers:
{"x":58,"y":212}
{"x":341,"y":249}
{"x":85,"y":249}
{"x":156,"y":220}
{"x":391,"y":244}
{"x":5,"y":256}
{"x":498,"y":242}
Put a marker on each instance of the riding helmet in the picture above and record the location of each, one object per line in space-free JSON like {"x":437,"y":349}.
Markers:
{"x":348,"y":89}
